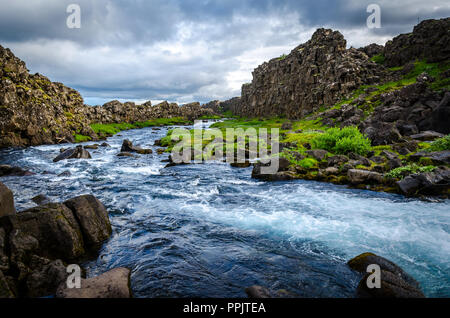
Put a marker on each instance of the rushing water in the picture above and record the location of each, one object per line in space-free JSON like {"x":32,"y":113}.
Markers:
{"x":209,"y":230}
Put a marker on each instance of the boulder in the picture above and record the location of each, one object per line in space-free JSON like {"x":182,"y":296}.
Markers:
{"x":257,"y":292}
{"x":41,"y":199}
{"x":74,"y":153}
{"x":7,"y":171}
{"x":432,"y":183}
{"x":55,"y":229}
{"x":93,"y":219}
{"x":278,"y":176}
{"x":125,"y":154}
{"x":6,"y":201}
{"x":337,"y":160}
{"x":428,"y":135}
{"x":112,"y":284}
{"x":241,"y":165}
{"x":317,"y":154}
{"x":127,"y":146}
{"x":358,"y":176}
{"x":395,"y":282}
{"x":437,"y":157}
{"x":5,"y":291}
{"x":46,"y":278}
{"x":94,"y":147}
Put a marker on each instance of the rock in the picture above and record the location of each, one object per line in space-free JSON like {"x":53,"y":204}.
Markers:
{"x":283,"y":164}
{"x":104,"y":145}
{"x":394,"y":163}
{"x":46,"y":278}
{"x":6,"y":201}
{"x":337,"y":160}
{"x":241,"y":165}
{"x":389,"y":155}
{"x":91,"y":146}
{"x":112,"y":284}
{"x":278,"y":176}
{"x":41,"y":199}
{"x":55,"y":229}
{"x":363,"y":162}
{"x":433,"y":183}
{"x":395,"y":282}
{"x":377,"y":159}
{"x":4,"y":258}
{"x":357,"y":176}
{"x":317,"y":154}
{"x":7,"y":171}
{"x":286,"y":125}
{"x":74,"y":153}
{"x":93,"y":219}
{"x":125,"y":154}
{"x":427,"y":136}
{"x":5,"y":291}
{"x":258,"y":292}
{"x":437,"y":157}
{"x":65,"y":174}
{"x":160,"y":151}
{"x":127,"y":146}
{"x":331,"y":171}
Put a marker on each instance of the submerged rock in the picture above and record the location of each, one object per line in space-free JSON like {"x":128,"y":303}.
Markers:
{"x":112,"y":284}
{"x":74,"y":153}
{"x":41,"y":199}
{"x":395,"y":282}
{"x":7,"y":170}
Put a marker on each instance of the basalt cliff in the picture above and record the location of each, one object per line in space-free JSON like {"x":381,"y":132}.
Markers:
{"x":35,"y":110}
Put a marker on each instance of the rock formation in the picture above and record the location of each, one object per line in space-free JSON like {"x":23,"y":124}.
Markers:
{"x":36,"y":244}
{"x":315,"y":74}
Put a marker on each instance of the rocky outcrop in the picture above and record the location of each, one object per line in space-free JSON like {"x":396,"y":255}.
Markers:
{"x":315,"y":74}
{"x":430,"y":40}
{"x":112,"y":284}
{"x":36,"y":244}
{"x":405,"y":112}
{"x":372,"y":49}
{"x":34,"y":110}
{"x":8,"y":171}
{"x":6,"y":201}
{"x":395,"y":282}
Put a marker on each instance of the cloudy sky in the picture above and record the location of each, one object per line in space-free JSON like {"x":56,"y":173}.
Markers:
{"x":183,"y":50}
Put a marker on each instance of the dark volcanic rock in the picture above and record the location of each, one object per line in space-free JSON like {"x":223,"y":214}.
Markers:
{"x":127,"y":146}
{"x":6,"y":171}
{"x":433,"y":183}
{"x":41,"y":199}
{"x":437,"y":157}
{"x":6,"y":201}
{"x":429,"y":40}
{"x":258,"y":292}
{"x":315,"y":74}
{"x":74,"y":153}
{"x":395,"y":282}
{"x":93,"y":219}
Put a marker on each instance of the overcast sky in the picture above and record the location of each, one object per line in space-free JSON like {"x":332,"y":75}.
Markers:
{"x":183,"y":50}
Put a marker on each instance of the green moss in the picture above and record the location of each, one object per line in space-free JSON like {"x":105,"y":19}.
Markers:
{"x":401,"y":172}
{"x":81,"y":138}
{"x":440,"y":144}
{"x":379,"y":58}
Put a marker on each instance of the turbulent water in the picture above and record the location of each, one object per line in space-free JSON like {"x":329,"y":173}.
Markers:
{"x":209,"y":230}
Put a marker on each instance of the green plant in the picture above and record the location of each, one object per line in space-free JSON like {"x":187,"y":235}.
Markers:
{"x":308,"y":163}
{"x":379,"y":59}
{"x":81,"y":138}
{"x":401,"y":172}
{"x":440,"y":144}
{"x":342,"y":141}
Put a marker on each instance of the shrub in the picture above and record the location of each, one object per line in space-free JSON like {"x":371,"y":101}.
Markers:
{"x":342,"y":141}
{"x":401,"y":172}
{"x":308,"y":163}
{"x":440,"y":144}
{"x":379,"y":59}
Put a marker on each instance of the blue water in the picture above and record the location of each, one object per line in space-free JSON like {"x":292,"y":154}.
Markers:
{"x":209,"y":230}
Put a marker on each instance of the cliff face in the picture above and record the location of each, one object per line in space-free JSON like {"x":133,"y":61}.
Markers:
{"x":429,"y":40}
{"x":35,"y":111}
{"x":313,"y":75}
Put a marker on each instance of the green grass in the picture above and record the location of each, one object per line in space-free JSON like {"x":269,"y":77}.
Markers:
{"x":379,"y":59}
{"x":81,"y":138}
{"x":112,"y":129}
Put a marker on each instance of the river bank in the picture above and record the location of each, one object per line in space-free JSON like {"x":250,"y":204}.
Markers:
{"x":184,"y":231}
